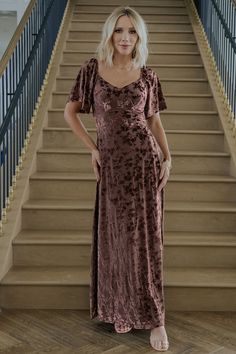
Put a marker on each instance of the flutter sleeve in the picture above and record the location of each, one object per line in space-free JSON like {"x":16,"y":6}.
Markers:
{"x":155,"y":99}
{"x":82,"y":89}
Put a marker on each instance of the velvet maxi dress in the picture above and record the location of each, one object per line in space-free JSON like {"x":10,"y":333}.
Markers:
{"x":126,"y":274}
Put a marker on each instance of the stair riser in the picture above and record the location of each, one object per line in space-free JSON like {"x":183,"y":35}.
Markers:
{"x":79,"y":219}
{"x":200,"y":142}
{"x":153,"y":47}
{"x":154,"y":8}
{"x":199,"y":256}
{"x":167,"y":72}
{"x":153,"y":36}
{"x":77,"y":297}
{"x":79,"y":255}
{"x":159,"y":58}
{"x":169,"y":121}
{"x":173,"y":102}
{"x":169,"y":86}
{"x":200,"y":221}
{"x":85,"y":190}
{"x":52,"y":255}
{"x":53,"y":219}
{"x":181,"y":164}
{"x":89,"y":26}
{"x":147,"y":17}
{"x":201,"y":191}
{"x":186,"y":298}
{"x":59,"y":189}
{"x":106,"y":4}
{"x":45,"y":297}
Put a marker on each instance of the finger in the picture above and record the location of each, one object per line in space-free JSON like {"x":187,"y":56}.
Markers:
{"x":96,"y":172}
{"x":160,"y":187}
{"x":162,"y":173}
{"x":163,"y":183}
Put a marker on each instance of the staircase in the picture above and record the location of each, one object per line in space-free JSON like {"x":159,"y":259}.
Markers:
{"x":51,"y":254}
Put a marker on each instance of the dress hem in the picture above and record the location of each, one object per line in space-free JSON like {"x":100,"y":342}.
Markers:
{"x":134,"y":325}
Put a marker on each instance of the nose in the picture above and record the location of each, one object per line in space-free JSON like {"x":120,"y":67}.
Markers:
{"x":125,"y":36}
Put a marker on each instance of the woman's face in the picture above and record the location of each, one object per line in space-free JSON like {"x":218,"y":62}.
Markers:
{"x":124,"y":36}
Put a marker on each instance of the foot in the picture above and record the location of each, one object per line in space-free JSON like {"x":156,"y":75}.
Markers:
{"x":122,"y":328}
{"x":158,"y":339}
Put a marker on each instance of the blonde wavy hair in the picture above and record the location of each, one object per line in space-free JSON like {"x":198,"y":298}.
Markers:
{"x":105,"y":49}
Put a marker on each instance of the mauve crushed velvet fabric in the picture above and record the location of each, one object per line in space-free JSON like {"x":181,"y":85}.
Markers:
{"x":128,"y":222}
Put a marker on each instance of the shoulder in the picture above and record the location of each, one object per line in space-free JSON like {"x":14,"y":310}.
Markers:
{"x":88,"y":68}
{"x":89,"y":64}
{"x":150,"y":75}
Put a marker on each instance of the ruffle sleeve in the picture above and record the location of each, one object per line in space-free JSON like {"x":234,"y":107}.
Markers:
{"x":82,"y":89}
{"x":155,"y":99}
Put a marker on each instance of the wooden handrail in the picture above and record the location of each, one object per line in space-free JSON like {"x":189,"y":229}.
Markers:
{"x":11,"y":46}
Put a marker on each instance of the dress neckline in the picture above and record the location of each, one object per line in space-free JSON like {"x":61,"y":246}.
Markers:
{"x":116,"y":87}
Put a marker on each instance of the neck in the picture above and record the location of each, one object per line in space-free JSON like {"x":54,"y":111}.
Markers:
{"x":122,"y":61}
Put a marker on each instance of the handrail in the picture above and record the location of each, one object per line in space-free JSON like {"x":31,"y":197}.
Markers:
{"x":15,"y":38}
{"x":23,"y":69}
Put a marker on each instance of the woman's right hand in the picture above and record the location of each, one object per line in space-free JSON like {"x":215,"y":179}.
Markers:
{"x":96,"y":162}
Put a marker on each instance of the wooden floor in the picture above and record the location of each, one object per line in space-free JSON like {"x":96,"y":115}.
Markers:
{"x":71,"y":331}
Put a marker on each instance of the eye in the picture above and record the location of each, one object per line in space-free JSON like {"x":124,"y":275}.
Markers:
{"x":117,"y":30}
{"x":133,"y":31}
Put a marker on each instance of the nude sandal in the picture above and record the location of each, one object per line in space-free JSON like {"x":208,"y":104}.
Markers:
{"x":122,"y":328}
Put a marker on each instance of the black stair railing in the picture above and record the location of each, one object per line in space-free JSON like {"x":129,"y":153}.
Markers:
{"x":22,"y":71}
{"x":218,"y":18}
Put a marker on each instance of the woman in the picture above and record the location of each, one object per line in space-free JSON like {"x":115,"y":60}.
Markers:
{"x":127,"y":245}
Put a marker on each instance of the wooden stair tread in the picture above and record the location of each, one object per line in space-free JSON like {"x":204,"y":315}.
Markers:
{"x":147,"y":21}
{"x":172,"y":131}
{"x":90,"y":176}
{"x":170,"y":206}
{"x":210,"y":112}
{"x":152,"y":53}
{"x":150,"y":31}
{"x":70,"y":275}
{"x":167,"y":94}
{"x":175,"y":152}
{"x":74,"y":40}
{"x":68,"y":237}
{"x":90,"y":12}
{"x":65,"y":77}
{"x":153,"y":65}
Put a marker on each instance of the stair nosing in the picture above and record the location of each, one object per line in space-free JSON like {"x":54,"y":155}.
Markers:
{"x":210,"y":112}
{"x":174,"y":178}
{"x":174,"y":153}
{"x":108,"y":13}
{"x":150,"y":42}
{"x":189,"y":95}
{"x":150,"y":31}
{"x":75,"y":280}
{"x":70,"y":51}
{"x":61,"y":77}
{"x":151,"y":65}
{"x":172,"y":131}
{"x":147,"y":21}
{"x":136,"y":5}
{"x":171,"y":206}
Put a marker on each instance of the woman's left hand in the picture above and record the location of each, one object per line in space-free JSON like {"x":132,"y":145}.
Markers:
{"x":164,"y":174}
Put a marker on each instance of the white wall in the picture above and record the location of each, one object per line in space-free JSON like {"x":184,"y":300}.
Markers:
{"x":11,"y":12}
{"x":14,"y":5}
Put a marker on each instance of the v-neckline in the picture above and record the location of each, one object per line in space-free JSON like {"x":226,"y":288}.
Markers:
{"x":116,"y":87}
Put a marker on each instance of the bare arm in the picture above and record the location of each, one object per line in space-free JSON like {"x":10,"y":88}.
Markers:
{"x":76,"y":124}
{"x":79,"y":129}
{"x":155,"y":125}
